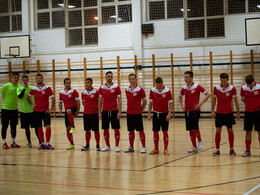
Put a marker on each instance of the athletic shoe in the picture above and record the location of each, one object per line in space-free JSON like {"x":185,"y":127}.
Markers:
{"x":41,"y":147}
{"x":49,"y":147}
{"x":5,"y":146}
{"x":200,"y":145}
{"x":98,"y":147}
{"x":246,"y":154}
{"x":143,"y":150}
{"x":14,"y":145}
{"x":216,"y":153}
{"x":193,"y":150}
{"x":117,"y":149}
{"x":72,"y":130}
{"x":107,"y":148}
{"x":154,"y":152}
{"x":232,"y":152}
{"x":71,"y":147}
{"x":86,"y":147}
{"x":129,"y":149}
{"x":166,"y":152}
{"x":29,"y":145}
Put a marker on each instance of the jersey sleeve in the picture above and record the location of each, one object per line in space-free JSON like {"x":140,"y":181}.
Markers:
{"x":142,"y":93}
{"x":234,"y":92}
{"x":4,"y":88}
{"x":202,"y":90}
{"x":50,"y":92}
{"x":182,"y":92}
{"x":151,"y":96}
{"x":242,"y":93}
{"x":60,"y":98}
{"x":215,"y":92}
{"x":100,"y":92}
{"x":76,"y":94}
{"x":31,"y":93}
{"x":118,"y":91}
{"x":169,"y":96}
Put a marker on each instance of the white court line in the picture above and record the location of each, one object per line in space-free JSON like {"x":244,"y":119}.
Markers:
{"x":253,"y":189}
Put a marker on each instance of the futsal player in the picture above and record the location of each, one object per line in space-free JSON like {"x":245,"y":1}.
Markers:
{"x":10,"y":109}
{"x":223,"y":95}
{"x":42,"y":93}
{"x":192,"y":91}
{"x":90,"y":100}
{"x":136,"y":102}
{"x":160,"y":100}
{"x":250,"y":94}
{"x":70,"y":97}
{"x":110,"y":104}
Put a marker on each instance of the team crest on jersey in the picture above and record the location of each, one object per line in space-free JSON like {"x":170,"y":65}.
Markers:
{"x":163,"y":95}
{"x":193,"y":91}
{"x":227,"y":94}
{"x":92,"y":96}
{"x":256,"y":92}
{"x":134,"y":94}
{"x":43,"y":92}
{"x":69,"y":95}
{"x":112,"y":90}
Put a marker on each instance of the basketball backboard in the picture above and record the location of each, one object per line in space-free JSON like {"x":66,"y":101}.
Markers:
{"x":252,"y":31}
{"x":18,"y":46}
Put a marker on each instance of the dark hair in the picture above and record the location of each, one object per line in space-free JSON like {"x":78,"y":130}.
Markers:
{"x":39,"y":75}
{"x":109,"y":72}
{"x":25,"y":76}
{"x":249,"y":79}
{"x":189,"y":72}
{"x":132,"y":74}
{"x":224,"y":76}
{"x":66,"y":79}
{"x":15,"y":73}
{"x":158,"y":80}
{"x":89,"y":79}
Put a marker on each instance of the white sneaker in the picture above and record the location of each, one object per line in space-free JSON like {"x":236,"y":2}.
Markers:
{"x":143,"y":150}
{"x":117,"y":149}
{"x":193,"y":150}
{"x":200,"y":145}
{"x":107,"y":148}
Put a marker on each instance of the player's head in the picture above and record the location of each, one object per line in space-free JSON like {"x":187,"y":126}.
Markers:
{"x":224,"y":79}
{"x":159,"y":82}
{"x":109,"y":77}
{"x":39,"y":79}
{"x":250,"y":80}
{"x":188,"y":77}
{"x":15,"y":78}
{"x":25,"y":79}
{"x":67,"y":83}
{"x":132,"y":79}
{"x":89,"y":82}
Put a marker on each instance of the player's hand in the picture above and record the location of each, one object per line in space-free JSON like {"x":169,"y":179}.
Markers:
{"x":238,"y":116}
{"x":183,"y":108}
{"x":48,"y":111}
{"x":118,"y":115}
{"x":100,"y":116}
{"x":213,"y":114}
{"x":168,"y":117}
{"x":24,"y":86}
{"x":149,"y":116}
{"x":33,"y":106}
{"x":76,"y":113}
{"x":197,"y":106}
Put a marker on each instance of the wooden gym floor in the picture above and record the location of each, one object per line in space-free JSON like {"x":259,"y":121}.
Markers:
{"x":29,"y":171}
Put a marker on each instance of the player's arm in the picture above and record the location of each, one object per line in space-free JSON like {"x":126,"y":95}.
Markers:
{"x":52,"y":104}
{"x":207,"y":95}
{"x":181,"y":102}
{"x":119,"y":100}
{"x":150,"y":109}
{"x":169,"y":111}
{"x":20,"y":93}
{"x":60,"y":107}
{"x":100,"y":104}
{"x":213,"y":104}
{"x":237,"y":108}
{"x":78,"y":107}
{"x":144,"y":102}
{"x":28,"y":98}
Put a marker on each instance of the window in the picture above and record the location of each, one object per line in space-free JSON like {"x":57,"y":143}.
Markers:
{"x":236,"y":6}
{"x":11,"y":16}
{"x":253,"y":5}
{"x":156,"y":10}
{"x":175,"y":9}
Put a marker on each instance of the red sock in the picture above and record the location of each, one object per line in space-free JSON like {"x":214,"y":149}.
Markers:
{"x":97,"y":137}
{"x":40,"y":134}
{"x":106,"y":136}
{"x":117,"y":136}
{"x":165,"y":139}
{"x":70,"y":137}
{"x":248,"y":145}
{"x":142,"y":137}
{"x":231,"y":139}
{"x":71,"y":119}
{"x":87,"y":136}
{"x":217,"y":140}
{"x":193,"y":138}
{"x":48,"y":135}
{"x":198,"y":135}
{"x":131,"y":135}
{"x":156,"y":140}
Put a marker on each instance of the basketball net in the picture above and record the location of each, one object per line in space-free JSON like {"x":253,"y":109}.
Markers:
{"x":10,"y":57}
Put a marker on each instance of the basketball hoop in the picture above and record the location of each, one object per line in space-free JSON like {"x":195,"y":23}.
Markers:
{"x":9,"y":57}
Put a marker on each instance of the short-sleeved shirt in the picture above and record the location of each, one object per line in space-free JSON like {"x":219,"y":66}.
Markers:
{"x":25,"y":107}
{"x":251,"y":97}
{"x":110,"y":95}
{"x":41,"y":97}
{"x":224,"y":98}
{"x":69,"y":98}
{"x":134,"y":97}
{"x":9,"y":96}
{"x":90,"y":101}
{"x":160,"y":99}
{"x":192,"y":95}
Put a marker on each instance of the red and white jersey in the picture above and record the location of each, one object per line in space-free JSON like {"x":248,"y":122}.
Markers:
{"x":69,"y":98}
{"x":192,"y":95}
{"x":251,"y":97}
{"x":110,"y":95}
{"x":224,"y":98}
{"x":90,"y":99}
{"x":41,"y":97}
{"x":160,"y":99}
{"x":134,"y":97}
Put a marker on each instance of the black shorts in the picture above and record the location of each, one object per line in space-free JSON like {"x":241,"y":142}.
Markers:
{"x":27,"y":120}
{"x":252,"y":119}
{"x":9,"y":115}
{"x":91,"y":122}
{"x":159,"y":120}
{"x":39,"y":116}
{"x":192,"y":120}
{"x":67,"y":121}
{"x":134,"y":122}
{"x":110,"y":116}
{"x":224,"y":120}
